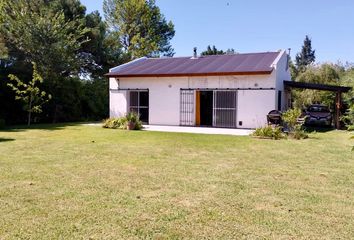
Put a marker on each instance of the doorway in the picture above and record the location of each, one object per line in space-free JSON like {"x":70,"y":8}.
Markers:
{"x":204,"y":108}
{"x":139,"y":103}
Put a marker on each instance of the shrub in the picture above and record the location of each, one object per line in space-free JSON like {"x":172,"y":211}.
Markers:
{"x":133,"y":117}
{"x":122,"y":122}
{"x":298,"y":133}
{"x":290,"y":118}
{"x":115,"y":123}
{"x":269,"y":132}
{"x":348,"y":118}
{"x":294,"y":127}
{"x":350,"y":128}
{"x":2,"y":123}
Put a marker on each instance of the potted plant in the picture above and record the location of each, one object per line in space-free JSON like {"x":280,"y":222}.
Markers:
{"x":132,"y":120}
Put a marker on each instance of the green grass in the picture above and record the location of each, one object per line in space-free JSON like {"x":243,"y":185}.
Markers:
{"x":86,"y":182}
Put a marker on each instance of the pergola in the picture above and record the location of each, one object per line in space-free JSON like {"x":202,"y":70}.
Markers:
{"x":323,"y":87}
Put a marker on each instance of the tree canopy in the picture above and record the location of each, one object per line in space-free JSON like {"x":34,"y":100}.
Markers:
{"x":140,"y":27}
{"x":73,"y":50}
{"x":306,"y":56}
{"x":214,"y":51}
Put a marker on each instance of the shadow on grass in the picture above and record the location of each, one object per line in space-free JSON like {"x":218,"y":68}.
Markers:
{"x":48,"y":127}
{"x":6,"y":140}
{"x":318,"y":129}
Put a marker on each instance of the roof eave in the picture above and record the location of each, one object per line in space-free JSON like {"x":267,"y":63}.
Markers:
{"x":190,"y":74}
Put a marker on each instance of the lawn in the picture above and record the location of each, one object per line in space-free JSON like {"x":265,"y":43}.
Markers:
{"x":86,"y":182}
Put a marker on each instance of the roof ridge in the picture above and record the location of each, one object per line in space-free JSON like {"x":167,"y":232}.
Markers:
{"x":216,"y":55}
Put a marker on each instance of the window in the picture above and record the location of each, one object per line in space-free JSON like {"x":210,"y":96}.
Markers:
{"x":139,"y":103}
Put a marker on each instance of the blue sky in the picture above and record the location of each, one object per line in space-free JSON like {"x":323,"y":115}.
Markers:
{"x":258,"y":25}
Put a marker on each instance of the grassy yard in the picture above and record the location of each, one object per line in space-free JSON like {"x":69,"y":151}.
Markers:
{"x":85,"y":182}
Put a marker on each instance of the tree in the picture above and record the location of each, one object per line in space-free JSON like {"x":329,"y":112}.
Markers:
{"x":66,"y":43}
{"x":32,"y":97}
{"x":140,"y":27}
{"x":347,"y":79}
{"x":321,"y":74}
{"x":230,"y":51}
{"x":306,"y":56}
{"x":44,"y":36}
{"x":214,"y":51}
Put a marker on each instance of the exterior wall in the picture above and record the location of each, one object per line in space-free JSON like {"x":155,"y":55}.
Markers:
{"x":253,"y":107}
{"x":164,"y":95}
{"x":117,"y":100}
{"x":282,"y":71}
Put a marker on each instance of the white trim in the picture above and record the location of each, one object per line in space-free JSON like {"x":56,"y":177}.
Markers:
{"x":275,"y":62}
{"x":126,"y":64}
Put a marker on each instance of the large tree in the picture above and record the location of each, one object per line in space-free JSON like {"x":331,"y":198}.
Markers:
{"x":43,"y":35}
{"x":66,"y":43}
{"x":306,"y":56}
{"x":139,"y":25}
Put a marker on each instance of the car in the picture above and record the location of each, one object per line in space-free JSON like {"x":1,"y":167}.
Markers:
{"x":318,"y":115}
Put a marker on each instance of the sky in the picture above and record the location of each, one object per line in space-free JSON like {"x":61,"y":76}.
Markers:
{"x":260,"y":26}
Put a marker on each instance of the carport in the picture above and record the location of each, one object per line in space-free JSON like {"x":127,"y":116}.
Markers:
{"x":338,"y":90}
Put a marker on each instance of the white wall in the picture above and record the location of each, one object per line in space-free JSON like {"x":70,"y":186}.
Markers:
{"x":120,"y":97}
{"x":253,"y":107}
{"x":282,"y":72}
{"x":117,"y":99}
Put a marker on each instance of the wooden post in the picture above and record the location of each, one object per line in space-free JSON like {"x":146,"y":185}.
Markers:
{"x":338,"y":108}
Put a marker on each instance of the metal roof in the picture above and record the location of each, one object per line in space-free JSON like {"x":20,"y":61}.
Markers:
{"x":233,"y":64}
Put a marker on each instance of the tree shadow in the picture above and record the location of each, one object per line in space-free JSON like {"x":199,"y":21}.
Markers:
{"x":47,"y":127}
{"x":6,"y":140}
{"x":318,"y":129}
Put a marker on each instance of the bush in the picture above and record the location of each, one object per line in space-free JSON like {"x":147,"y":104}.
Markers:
{"x":269,"y":132}
{"x":294,"y":127}
{"x":115,"y":123}
{"x":350,"y":128}
{"x":290,"y":118}
{"x":122,"y":122}
{"x":2,"y":123}
{"x":348,"y":118}
{"x":298,"y":133}
{"x":133,"y":117}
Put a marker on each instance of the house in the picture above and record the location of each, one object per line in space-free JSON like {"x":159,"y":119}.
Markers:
{"x":234,"y":91}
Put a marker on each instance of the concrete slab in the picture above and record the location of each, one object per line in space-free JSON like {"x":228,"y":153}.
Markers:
{"x":200,"y":130}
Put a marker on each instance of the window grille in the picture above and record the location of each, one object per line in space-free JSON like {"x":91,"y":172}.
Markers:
{"x":187,"y":113}
{"x":139,"y":103}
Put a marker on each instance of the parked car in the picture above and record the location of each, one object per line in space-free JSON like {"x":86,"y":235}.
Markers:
{"x":318,"y":115}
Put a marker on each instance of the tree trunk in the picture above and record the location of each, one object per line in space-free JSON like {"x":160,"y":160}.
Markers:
{"x":29,"y":119}
{"x":29,"y":111}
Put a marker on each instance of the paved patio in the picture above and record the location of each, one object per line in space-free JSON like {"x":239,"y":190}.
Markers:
{"x":201,"y":130}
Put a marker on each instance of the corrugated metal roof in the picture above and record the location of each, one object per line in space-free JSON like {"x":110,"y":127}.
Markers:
{"x":235,"y":64}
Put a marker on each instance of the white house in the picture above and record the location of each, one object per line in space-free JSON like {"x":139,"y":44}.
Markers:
{"x":235,"y":91}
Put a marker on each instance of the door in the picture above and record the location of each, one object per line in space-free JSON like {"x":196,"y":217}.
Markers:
{"x":224,"y":108}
